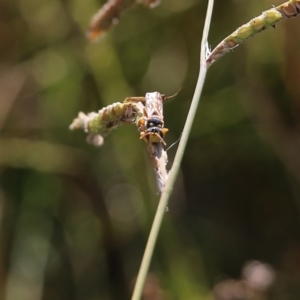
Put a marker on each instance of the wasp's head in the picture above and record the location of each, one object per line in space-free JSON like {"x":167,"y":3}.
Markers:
{"x":154,"y":122}
{"x":155,"y":131}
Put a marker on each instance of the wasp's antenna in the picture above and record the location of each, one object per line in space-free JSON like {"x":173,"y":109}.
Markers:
{"x":174,"y":143}
{"x":169,"y":97}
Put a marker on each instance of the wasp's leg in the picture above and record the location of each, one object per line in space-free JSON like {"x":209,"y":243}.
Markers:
{"x":134,"y":99}
{"x":141,"y":124}
{"x":152,"y":138}
{"x":165,"y":130}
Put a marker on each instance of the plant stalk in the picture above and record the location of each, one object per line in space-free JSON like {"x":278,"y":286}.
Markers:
{"x":163,"y":202}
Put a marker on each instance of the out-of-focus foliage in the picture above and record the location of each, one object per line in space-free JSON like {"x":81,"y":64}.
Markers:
{"x":75,"y":219}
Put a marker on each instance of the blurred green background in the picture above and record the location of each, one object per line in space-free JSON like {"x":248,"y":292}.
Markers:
{"x":75,"y":219}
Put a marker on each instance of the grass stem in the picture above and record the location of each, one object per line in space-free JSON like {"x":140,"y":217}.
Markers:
{"x":177,"y":161}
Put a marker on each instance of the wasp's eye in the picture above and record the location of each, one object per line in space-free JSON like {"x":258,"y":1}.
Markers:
{"x":154,"y":122}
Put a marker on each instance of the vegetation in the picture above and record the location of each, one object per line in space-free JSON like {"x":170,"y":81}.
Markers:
{"x":75,"y":218}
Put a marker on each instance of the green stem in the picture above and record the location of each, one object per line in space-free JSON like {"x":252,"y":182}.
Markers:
{"x":177,"y":161}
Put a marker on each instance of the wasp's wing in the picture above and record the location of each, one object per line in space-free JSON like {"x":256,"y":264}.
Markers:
{"x":154,"y":104}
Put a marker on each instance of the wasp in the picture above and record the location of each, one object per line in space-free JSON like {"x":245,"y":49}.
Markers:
{"x":151,"y":127}
{"x":151,"y":123}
